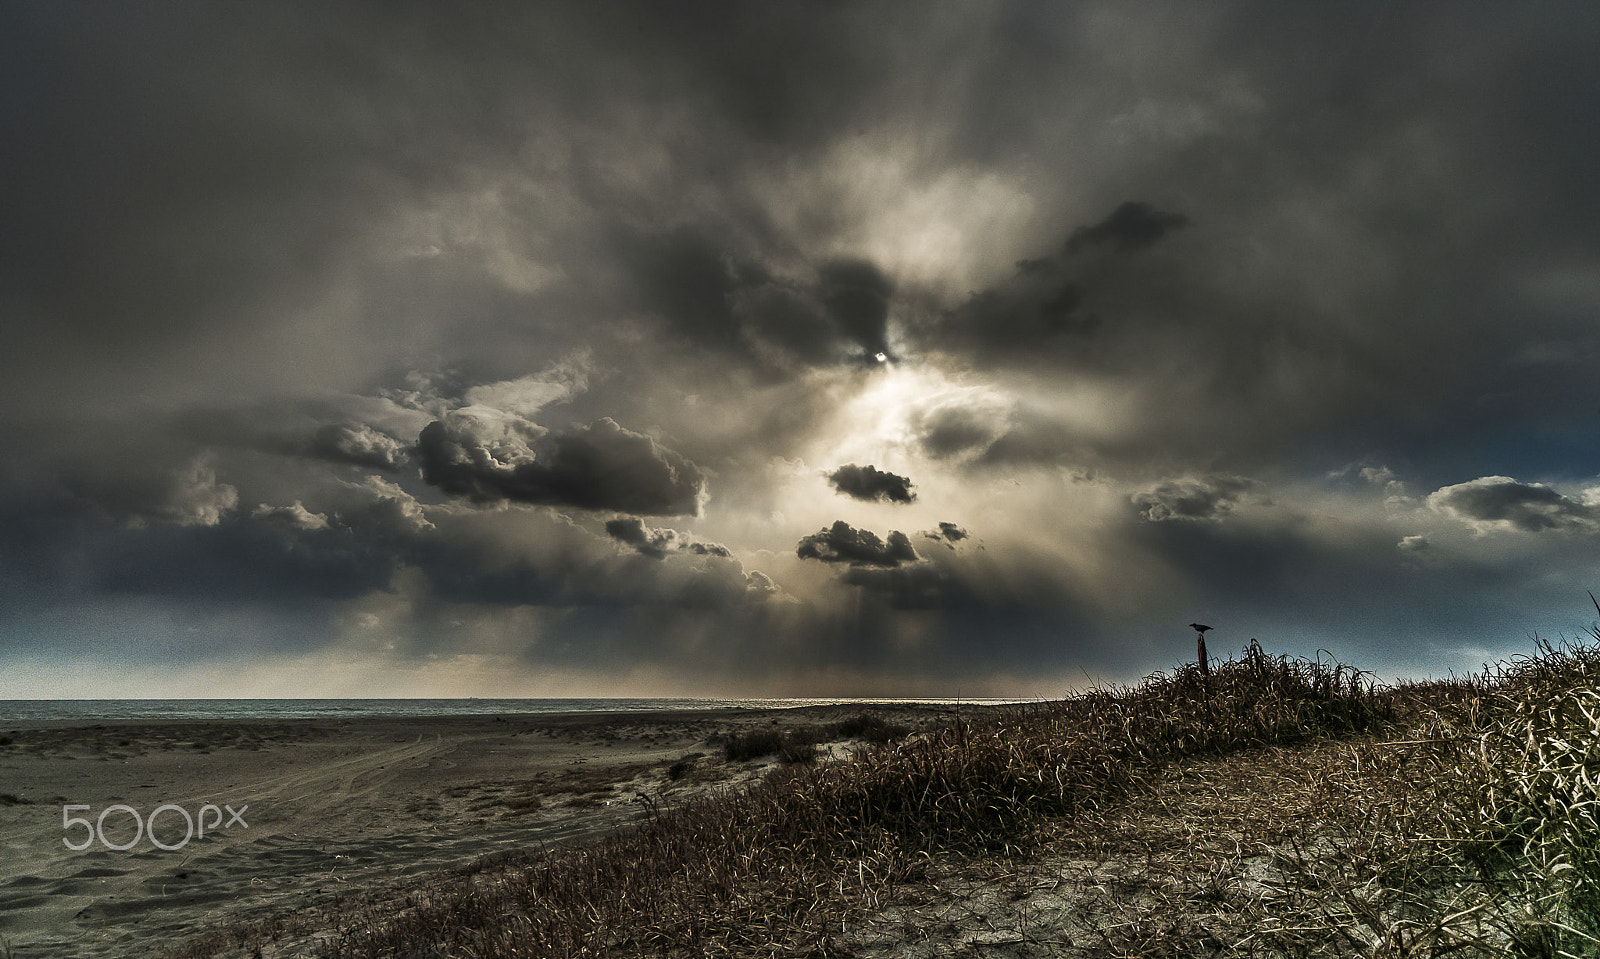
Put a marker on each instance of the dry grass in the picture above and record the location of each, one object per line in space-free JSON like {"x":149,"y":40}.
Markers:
{"x":798,"y":743}
{"x":1467,"y":827}
{"x":779,"y":868}
{"x":1282,"y":809}
{"x":1476,"y":833}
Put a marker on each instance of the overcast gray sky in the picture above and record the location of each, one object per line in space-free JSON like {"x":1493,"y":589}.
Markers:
{"x":781,"y":348}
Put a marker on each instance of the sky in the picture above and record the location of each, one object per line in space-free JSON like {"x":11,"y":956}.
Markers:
{"x":969,"y":349}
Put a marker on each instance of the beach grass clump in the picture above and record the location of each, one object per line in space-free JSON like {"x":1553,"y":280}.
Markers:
{"x":683,"y":767}
{"x":777,"y":867}
{"x":869,"y":727}
{"x":755,"y":744}
{"x":1514,"y":773}
{"x":1473,"y":830}
{"x":798,"y":743}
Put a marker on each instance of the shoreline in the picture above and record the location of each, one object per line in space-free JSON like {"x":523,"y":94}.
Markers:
{"x":309,"y":810}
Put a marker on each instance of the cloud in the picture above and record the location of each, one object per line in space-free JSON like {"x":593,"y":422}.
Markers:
{"x":1500,"y":502}
{"x":1010,"y":321}
{"x":1131,"y":226}
{"x":1394,"y":489}
{"x":657,"y":543}
{"x":1416,"y":548}
{"x":842,"y":543}
{"x":381,"y":510}
{"x":869,"y":484}
{"x":786,"y":329}
{"x":856,"y":294}
{"x":654,"y":543}
{"x":952,"y":430}
{"x":275,"y":557}
{"x":358,"y":445}
{"x":947,"y":533}
{"x":686,"y":277}
{"x":527,"y":395}
{"x":295,"y":516}
{"x":599,"y":467}
{"x":1139,"y":245}
{"x":1193,"y":499}
{"x":721,"y":298}
{"x":189,"y":495}
{"x":921,"y":586}
{"x":761,"y":584}
{"x":1050,"y":305}
{"x":1378,"y":475}
{"x":545,"y":560}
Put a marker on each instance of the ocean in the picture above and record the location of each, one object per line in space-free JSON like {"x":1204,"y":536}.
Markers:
{"x":71,"y":710}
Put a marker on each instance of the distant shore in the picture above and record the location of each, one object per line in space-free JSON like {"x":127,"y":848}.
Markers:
{"x":297,"y":813}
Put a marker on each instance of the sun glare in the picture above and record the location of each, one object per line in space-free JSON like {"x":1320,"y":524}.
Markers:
{"x":884,"y":423}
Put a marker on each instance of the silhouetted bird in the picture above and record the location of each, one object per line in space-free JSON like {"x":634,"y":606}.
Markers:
{"x":1198,"y":628}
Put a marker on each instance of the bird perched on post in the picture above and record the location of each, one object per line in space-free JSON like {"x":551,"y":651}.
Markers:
{"x":1205,"y":664}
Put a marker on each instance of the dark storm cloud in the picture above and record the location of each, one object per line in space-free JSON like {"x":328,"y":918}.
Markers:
{"x":1224,"y":260}
{"x":358,"y":445}
{"x":601,"y":466}
{"x":785,"y":326}
{"x":894,"y":572}
{"x":1052,"y":296}
{"x":360,"y":431}
{"x":294,"y":516}
{"x":1502,"y":502}
{"x":1420,"y":604}
{"x":1047,"y":295}
{"x":195,"y":173}
{"x":954,"y":430}
{"x":1019,"y":316}
{"x":270,"y":560}
{"x":654,"y":543}
{"x":921,"y":586}
{"x":857,"y":296}
{"x":277,"y":556}
{"x":658,"y":543}
{"x":687,"y":278}
{"x":459,"y":569}
{"x":713,"y":295}
{"x":548,"y":562}
{"x":843,"y":543}
{"x":1195,"y":498}
{"x":387,"y":518}
{"x":143,"y":521}
{"x":1315,"y":255}
{"x":870,"y":484}
{"x":1131,"y":226}
{"x":146,"y":494}
{"x":179,"y":181}
{"x":987,"y":434}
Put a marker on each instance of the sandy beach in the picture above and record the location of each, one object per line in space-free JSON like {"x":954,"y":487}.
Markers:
{"x":296,"y":814}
